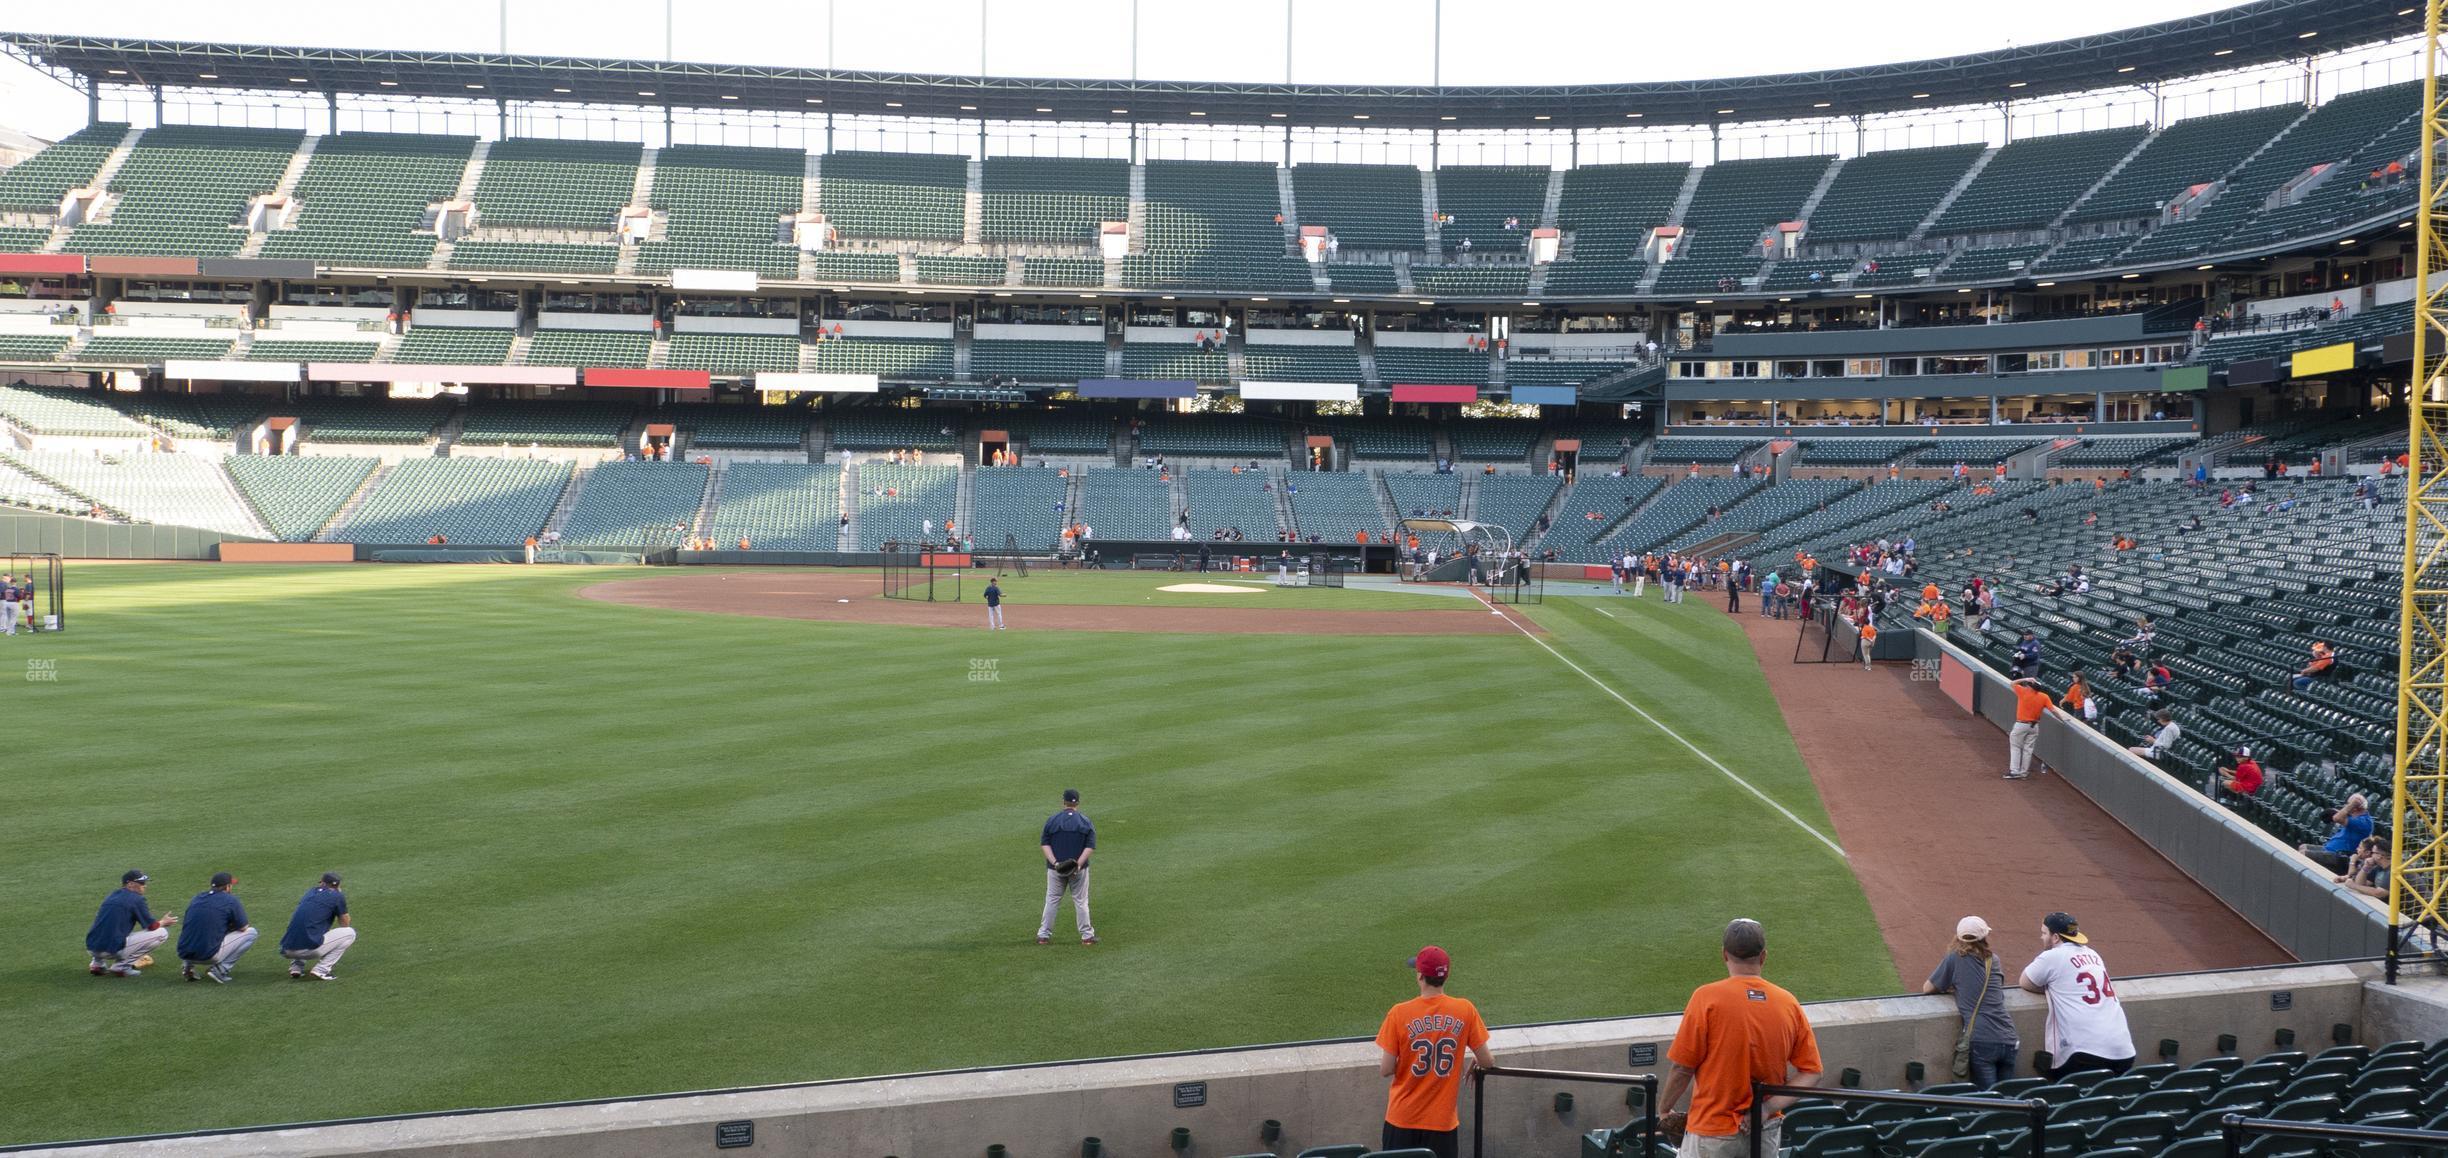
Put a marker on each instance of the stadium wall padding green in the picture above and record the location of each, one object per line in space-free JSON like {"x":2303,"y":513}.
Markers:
{"x":30,"y":532}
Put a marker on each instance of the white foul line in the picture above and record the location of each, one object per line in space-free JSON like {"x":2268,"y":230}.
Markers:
{"x":1600,"y":610}
{"x":1660,"y":725}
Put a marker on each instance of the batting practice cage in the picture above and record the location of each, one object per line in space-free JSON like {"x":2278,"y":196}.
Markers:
{"x":1480,"y":554}
{"x":1825,"y":638}
{"x":49,"y":587}
{"x":916,"y":572}
{"x":1325,"y":570}
{"x":1008,"y":560}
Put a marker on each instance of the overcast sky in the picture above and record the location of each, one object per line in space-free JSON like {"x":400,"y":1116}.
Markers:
{"x":1347,"y":41}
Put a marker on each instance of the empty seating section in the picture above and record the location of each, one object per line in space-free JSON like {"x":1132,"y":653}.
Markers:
{"x":1898,"y":268}
{"x":1023,"y":502}
{"x":19,"y":489}
{"x":1997,"y":261}
{"x":1062,"y":271}
{"x":194,"y":415}
{"x":1767,"y":509}
{"x":1051,"y":198}
{"x":296,"y":495}
{"x":589,"y":348}
{"x":2118,"y":451}
{"x":2186,"y":153}
{"x":546,"y":424}
{"x":554,"y":184}
{"x":731,"y":354}
{"x":1877,"y":500}
{"x":1387,"y":438}
{"x":1804,"y":273}
{"x":30,"y":346}
{"x":894,"y":428}
{"x":1036,"y":361}
{"x":466,"y":346}
{"x":1680,"y":506}
{"x":1221,"y":500}
{"x":2334,"y":131}
{"x":1212,"y":435}
{"x":1301,"y":363}
{"x":866,"y":267}
{"x":1363,"y":206}
{"x":1558,"y":371}
{"x":1608,"y":210}
{"x":1493,"y":439}
{"x":184,"y":490}
{"x":1126,"y":504}
{"x":1471,"y":280}
{"x":905,"y":195}
{"x":912,"y":359}
{"x":934,"y":269}
{"x":1171,"y":360}
{"x":1975,"y":451}
{"x":1431,"y":365}
{"x":23,"y":238}
{"x":1060,"y":432}
{"x":311,"y":350}
{"x":494,"y":502}
{"x":1678,"y":451}
{"x":1736,"y":204}
{"x":1362,"y":278}
{"x":39,"y":182}
{"x":1211,"y":225}
{"x":1590,"y":512}
{"x":1513,"y":501}
{"x":1591,"y":275}
{"x":779,"y":506}
{"x":1883,"y":195}
{"x":912,"y":497}
{"x":1332,"y":505}
{"x":2031,"y":181}
{"x":1480,"y":198}
{"x":1418,"y":495}
{"x":723,"y":208}
{"x":363,"y":196}
{"x":1857,"y":451}
{"x":621,"y":501}
{"x":365,"y":420}
{"x":743,"y":427}
{"x":184,"y":189}
{"x":2347,"y":195}
{"x":59,"y":410}
{"x":118,"y":348}
{"x":539,"y":256}
{"x":1602,"y":439}
{"x":2084,"y":253}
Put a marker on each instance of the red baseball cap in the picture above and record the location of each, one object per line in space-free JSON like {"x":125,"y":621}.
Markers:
{"x":1433,"y":963}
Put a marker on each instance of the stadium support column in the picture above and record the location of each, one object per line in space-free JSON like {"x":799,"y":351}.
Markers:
{"x":2418,"y":860}
{"x":93,"y":102}
{"x":331,"y":114}
{"x":157,"y":105}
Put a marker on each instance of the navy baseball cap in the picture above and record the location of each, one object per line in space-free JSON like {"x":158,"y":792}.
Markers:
{"x":220,"y":879}
{"x":1070,"y":795}
{"x":133,"y":877}
{"x":2064,"y":925}
{"x":331,"y":878}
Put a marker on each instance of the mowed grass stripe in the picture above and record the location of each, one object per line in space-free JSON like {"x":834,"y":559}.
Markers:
{"x":599,"y":850}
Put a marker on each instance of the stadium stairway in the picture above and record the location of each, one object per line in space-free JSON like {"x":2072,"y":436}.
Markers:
{"x":348,"y":508}
{"x":568,"y":501}
{"x":701,"y":524}
{"x":101,"y":180}
{"x":2139,"y":147}
{"x":1961,"y":183}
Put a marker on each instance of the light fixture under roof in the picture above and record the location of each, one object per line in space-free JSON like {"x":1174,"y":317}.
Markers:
{"x":1723,"y":112}
{"x":1121,"y":112}
{"x":388,"y":83}
{"x":1920,"y":96}
{"x":2348,"y":241}
{"x":892,"y":104}
{"x":2224,"y":52}
{"x":646,"y":92}
{"x":1705,"y":302}
{"x":1197,"y":113}
{"x":1823,"y":104}
{"x":964,"y":108}
{"x":2127,"y":68}
{"x":475,"y":88}
{"x":2045,"y":284}
{"x":561,"y":90}
{"x":1168,"y":297}
{"x":2128,"y":276}
{"x":1342,"y":301}
{"x":1446,"y":117}
{"x":1252,"y":299}
{"x":1360,"y":116}
{"x":2201,"y":267}
{"x":1277,"y":116}
{"x":1044,"y":110}
{"x":208,"y":76}
{"x":1860,"y":296}
{"x":1635,"y":116}
{"x":2307,"y":35}
{"x":1542,"y":117}
{"x":117,"y":71}
{"x":299,"y":80}
{"x":729,"y":97}
{"x":2017,"y":83}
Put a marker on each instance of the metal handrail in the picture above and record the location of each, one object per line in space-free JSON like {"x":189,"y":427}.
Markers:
{"x":1647,"y":1082}
{"x":2233,"y":1127}
{"x":2037,"y":1108}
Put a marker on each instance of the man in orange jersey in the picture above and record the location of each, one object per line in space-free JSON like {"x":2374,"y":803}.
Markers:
{"x":1734,"y":1032}
{"x":1420,"y":1047}
{"x":2031,"y":703}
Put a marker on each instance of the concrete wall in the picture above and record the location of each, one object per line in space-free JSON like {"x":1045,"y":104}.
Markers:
{"x":25,"y":532}
{"x":2260,"y":877}
{"x":1322,"y":1093}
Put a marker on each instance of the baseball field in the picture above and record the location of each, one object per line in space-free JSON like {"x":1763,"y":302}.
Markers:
{"x":640,"y":840}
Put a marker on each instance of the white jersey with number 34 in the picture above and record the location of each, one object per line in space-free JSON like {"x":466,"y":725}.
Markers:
{"x":2084,"y":1016}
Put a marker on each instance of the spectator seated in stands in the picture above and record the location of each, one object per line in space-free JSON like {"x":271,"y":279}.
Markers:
{"x":2322,"y":665}
{"x":2367,"y":873}
{"x":2156,"y":682}
{"x":2354,"y":823}
{"x":2163,"y":739}
{"x":2244,"y":779}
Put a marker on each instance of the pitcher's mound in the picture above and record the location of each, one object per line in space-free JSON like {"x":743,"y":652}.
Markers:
{"x":1211,"y":589}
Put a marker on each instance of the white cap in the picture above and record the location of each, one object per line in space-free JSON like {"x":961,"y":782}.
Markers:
{"x":1971,"y":929}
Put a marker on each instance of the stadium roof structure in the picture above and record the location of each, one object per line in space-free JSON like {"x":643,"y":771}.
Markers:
{"x":2257,"y":33}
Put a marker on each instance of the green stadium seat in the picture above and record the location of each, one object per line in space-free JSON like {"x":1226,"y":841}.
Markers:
{"x":1060,"y":199}
{"x":363,"y":197}
{"x":898,"y":195}
{"x":184,"y":191}
{"x":623,"y":500}
{"x":296,"y":495}
{"x":553,"y":184}
{"x":724,"y":207}
{"x":779,"y":506}
{"x":473,"y":502}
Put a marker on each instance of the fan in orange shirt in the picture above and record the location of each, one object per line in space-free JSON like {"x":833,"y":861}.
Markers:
{"x":1420,"y":1047}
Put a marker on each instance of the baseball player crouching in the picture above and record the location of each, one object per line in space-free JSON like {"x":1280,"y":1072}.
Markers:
{"x":125,"y":932}
{"x":1068,"y":841}
{"x":319,"y":931}
{"x":217,"y":933}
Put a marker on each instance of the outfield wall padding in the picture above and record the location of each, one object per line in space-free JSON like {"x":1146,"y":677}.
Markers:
{"x":33,"y":532}
{"x":1322,"y":1092}
{"x":2266,"y":882}
{"x":234,"y":552}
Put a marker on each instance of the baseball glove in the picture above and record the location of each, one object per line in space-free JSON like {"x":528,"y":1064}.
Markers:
{"x":1066,"y":867}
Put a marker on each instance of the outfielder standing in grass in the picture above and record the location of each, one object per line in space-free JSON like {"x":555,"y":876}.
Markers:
{"x":1068,"y":841}
{"x":994,"y":606}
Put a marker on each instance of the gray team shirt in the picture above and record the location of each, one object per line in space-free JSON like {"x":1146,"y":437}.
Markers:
{"x":1960,"y":974}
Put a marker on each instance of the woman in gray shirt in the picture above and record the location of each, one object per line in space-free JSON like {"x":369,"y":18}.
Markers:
{"x":1974,"y":975}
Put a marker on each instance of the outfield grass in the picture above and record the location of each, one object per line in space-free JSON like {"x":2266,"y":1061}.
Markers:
{"x":597,"y":850}
{"x":1114,"y":588}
